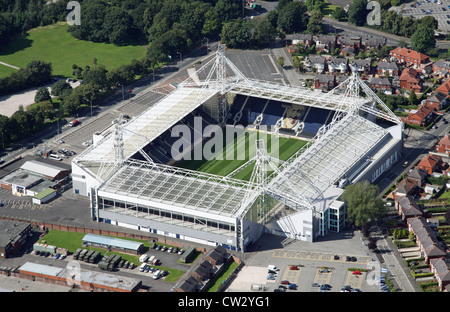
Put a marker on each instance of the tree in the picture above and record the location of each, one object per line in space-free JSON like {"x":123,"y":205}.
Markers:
{"x":339,"y":14}
{"x":315,"y":26}
{"x":423,"y":39}
{"x":357,"y":12}
{"x":363,"y":203}
{"x":312,"y":5}
{"x":59,"y":87}
{"x":412,"y":98}
{"x":292,"y":17}
{"x":280,"y":61}
{"x":42,"y":94}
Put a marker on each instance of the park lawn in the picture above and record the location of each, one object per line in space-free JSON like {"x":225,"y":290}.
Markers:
{"x":54,"y":44}
{"x":5,"y":71}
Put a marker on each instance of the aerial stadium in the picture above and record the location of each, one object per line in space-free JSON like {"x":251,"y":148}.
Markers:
{"x":223,"y":159}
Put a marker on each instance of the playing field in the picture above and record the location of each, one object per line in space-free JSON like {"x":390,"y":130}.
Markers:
{"x":54,"y":44}
{"x":238,"y":151}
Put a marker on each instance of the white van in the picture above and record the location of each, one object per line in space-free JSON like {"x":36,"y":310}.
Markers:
{"x":54,"y":157}
{"x":157,"y":274}
{"x":142,"y":267}
{"x":151,"y":259}
{"x":143,"y":258}
{"x":272,"y":267}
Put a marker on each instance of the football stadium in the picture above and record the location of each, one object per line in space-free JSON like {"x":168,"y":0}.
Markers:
{"x":223,"y":158}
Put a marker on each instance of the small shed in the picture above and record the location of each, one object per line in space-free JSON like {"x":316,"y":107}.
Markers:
{"x":113,"y":243}
{"x":44,"y":197}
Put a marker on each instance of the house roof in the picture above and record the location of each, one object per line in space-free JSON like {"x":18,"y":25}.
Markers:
{"x":409,"y":207}
{"x":445,"y":87}
{"x":442,"y":267}
{"x":405,"y":186}
{"x":443,"y":64}
{"x":338,"y":60}
{"x":421,"y":112}
{"x":430,"y":161}
{"x":437,"y":97}
{"x":374,"y":41}
{"x":417,"y":173}
{"x":316,"y":59}
{"x":387,"y":65}
{"x":324,"y":77}
{"x":410,"y":53}
{"x":410,"y":75}
{"x":380,"y":81}
{"x":445,"y":140}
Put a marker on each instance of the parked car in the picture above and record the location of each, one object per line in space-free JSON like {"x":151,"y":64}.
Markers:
{"x":293,"y":267}
{"x":315,"y":285}
{"x":271,"y":277}
{"x":57,"y":256}
{"x":74,"y":123}
{"x":325,"y":287}
{"x":285,"y":282}
{"x":356,"y":272}
{"x":282,"y":287}
{"x":292,"y":286}
{"x":170,"y":249}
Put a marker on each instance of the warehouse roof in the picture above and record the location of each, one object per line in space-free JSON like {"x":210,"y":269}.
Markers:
{"x":41,"y":168}
{"x":41,"y":269}
{"x":111,"y":241}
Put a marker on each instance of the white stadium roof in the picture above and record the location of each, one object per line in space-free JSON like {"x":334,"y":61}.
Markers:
{"x":312,"y":172}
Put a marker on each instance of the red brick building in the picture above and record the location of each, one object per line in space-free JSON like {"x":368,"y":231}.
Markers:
{"x":444,"y":145}
{"x":410,"y":57}
{"x":430,"y":163}
{"x":410,"y":80}
{"x":421,"y":116}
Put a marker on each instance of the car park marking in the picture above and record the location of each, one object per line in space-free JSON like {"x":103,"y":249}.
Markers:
{"x":323,"y":277}
{"x":291,"y":275}
{"x":316,"y":256}
{"x":354,"y":281}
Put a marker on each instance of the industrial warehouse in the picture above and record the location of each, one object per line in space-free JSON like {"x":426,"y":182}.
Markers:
{"x":134,"y":178}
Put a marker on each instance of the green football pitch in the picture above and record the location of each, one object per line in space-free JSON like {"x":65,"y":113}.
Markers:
{"x":234,"y":153}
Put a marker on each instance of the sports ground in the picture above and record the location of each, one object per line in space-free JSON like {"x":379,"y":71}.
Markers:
{"x":237,"y":152}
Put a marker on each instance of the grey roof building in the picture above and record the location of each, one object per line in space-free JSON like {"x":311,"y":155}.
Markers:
{"x":12,"y":236}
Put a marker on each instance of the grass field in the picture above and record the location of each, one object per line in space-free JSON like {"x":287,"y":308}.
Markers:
{"x":54,"y":44}
{"x":223,"y":165}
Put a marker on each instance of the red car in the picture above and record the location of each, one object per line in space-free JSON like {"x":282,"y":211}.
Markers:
{"x":293,"y":267}
{"x":285,"y":282}
{"x":356,"y":272}
{"x":74,"y":123}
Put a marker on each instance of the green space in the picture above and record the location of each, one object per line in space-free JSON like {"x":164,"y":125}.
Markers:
{"x":54,"y":44}
{"x":235,"y":150}
{"x":73,"y":240}
{"x":5,"y":71}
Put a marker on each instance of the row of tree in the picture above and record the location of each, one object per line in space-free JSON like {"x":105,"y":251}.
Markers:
{"x":34,"y":74}
{"x":420,"y":30}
